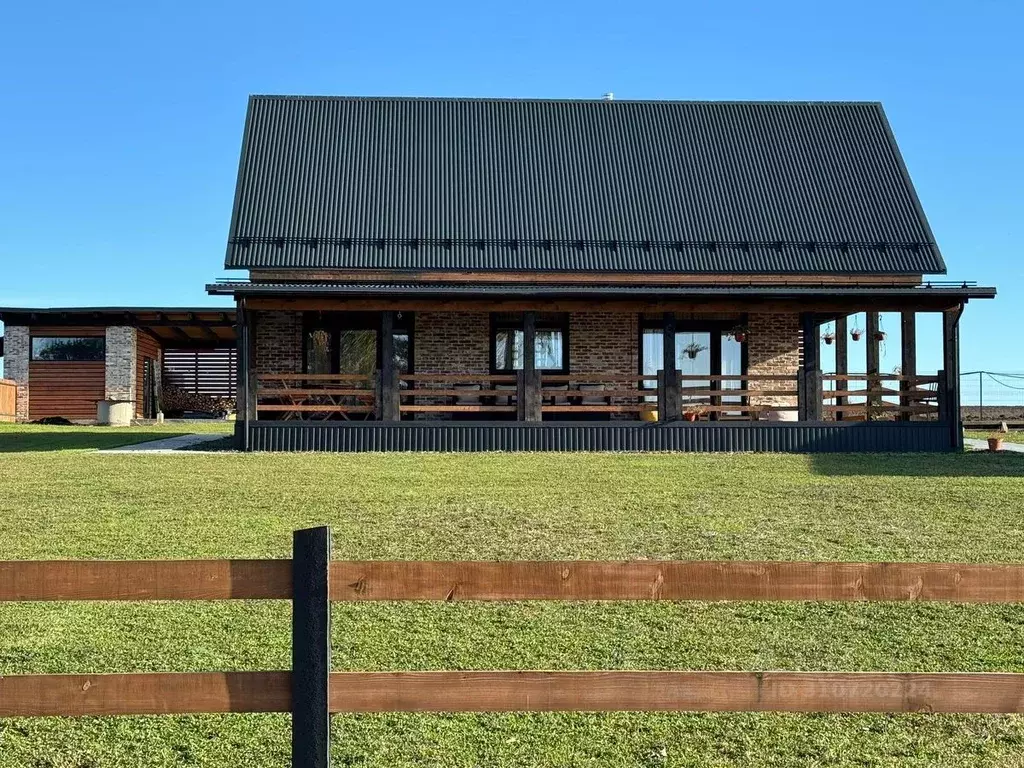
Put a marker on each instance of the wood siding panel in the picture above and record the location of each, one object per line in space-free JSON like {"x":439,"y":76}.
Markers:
{"x":65,"y":389}
{"x":146,"y":346}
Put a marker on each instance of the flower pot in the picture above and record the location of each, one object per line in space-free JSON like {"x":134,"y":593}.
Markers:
{"x":880,"y":336}
{"x":690,"y":416}
{"x":855,"y":335}
{"x":829,"y":339}
{"x":740,"y":337}
{"x":995,"y":443}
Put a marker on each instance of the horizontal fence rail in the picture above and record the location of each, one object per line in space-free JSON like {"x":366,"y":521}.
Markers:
{"x":165,"y":693}
{"x":311,"y":692}
{"x":361,"y":580}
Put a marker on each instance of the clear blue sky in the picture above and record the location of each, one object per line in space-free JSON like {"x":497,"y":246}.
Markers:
{"x":121,"y":122}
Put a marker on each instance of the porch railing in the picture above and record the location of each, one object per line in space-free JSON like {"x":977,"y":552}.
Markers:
{"x":597,"y":393}
{"x":316,"y":395}
{"x":869,"y":397}
{"x":735,"y":396}
{"x":458,"y":393}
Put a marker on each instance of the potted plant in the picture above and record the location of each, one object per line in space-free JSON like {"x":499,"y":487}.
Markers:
{"x":693,"y":349}
{"x":856,"y":333}
{"x":693,"y":412}
{"x":995,"y":442}
{"x":879,"y":335}
{"x":739,"y":333}
{"x":828,"y":337}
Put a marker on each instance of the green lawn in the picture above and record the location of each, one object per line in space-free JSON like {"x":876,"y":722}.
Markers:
{"x":523,"y":506}
{"x":1013,"y":436}
{"x":45,"y":437}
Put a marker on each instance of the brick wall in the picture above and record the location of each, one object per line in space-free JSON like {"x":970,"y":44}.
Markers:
{"x":278,"y":341}
{"x":16,"y":354}
{"x":773,"y":348}
{"x":603,"y":342}
{"x":452,"y":342}
{"x":121,"y":362}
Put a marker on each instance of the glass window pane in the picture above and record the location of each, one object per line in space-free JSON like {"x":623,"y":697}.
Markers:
{"x":357,"y":352}
{"x":68,"y":348}
{"x":401,"y":353}
{"x":318,"y":352}
{"x":508,"y":349}
{"x":548,"y":349}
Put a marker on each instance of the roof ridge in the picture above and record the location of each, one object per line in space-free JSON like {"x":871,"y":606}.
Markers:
{"x":596,"y":100}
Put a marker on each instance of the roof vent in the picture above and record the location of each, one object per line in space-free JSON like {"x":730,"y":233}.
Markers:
{"x":609,"y":96}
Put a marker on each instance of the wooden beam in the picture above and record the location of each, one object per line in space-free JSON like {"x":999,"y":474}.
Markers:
{"x":164,"y":693}
{"x":842,"y":358}
{"x":872,"y":354}
{"x":530,"y":400}
{"x":389,"y":389}
{"x":311,"y":647}
{"x":671,"y":405}
{"x":675,"y":580}
{"x":145,"y":580}
{"x":664,"y":691}
{"x":152,"y":693}
{"x":809,"y":384}
{"x":951,"y":368}
{"x":908,"y":349}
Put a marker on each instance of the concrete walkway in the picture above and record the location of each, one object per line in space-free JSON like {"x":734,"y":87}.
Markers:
{"x":167,"y":445}
{"x":982,"y":445}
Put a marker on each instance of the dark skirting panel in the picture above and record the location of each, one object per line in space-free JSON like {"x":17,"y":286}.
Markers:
{"x":820,"y":437}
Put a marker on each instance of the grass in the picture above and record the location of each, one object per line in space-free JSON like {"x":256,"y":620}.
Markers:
{"x":1013,"y":436}
{"x":18,"y":438}
{"x":520,"y":506}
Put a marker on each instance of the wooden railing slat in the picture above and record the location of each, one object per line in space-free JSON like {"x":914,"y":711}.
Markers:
{"x":147,"y":693}
{"x":670,"y":691}
{"x":675,"y":580}
{"x":145,"y":579}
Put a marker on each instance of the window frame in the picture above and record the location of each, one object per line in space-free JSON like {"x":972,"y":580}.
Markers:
{"x":34,"y":359}
{"x":335,"y":322}
{"x":500,"y":323}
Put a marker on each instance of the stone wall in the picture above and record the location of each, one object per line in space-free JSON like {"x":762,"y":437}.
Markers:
{"x":122,"y":362}
{"x":773,"y":349}
{"x":16,"y":357}
{"x":278,"y":341}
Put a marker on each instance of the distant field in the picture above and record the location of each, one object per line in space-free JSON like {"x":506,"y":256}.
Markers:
{"x":80,"y":504}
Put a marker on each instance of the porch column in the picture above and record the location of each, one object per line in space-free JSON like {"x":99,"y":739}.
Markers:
{"x":246,"y":384}
{"x":842,"y":363}
{"x":951,"y":368}
{"x":671,"y":405}
{"x":387,"y":389}
{"x":908,"y":359}
{"x":809,"y":383}
{"x":873,"y":355}
{"x":529,"y":381}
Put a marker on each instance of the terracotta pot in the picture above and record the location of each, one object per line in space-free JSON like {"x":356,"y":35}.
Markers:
{"x":690,"y":416}
{"x":880,"y":336}
{"x":995,"y":443}
{"x":740,"y":337}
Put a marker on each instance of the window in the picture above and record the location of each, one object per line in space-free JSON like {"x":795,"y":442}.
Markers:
{"x":347,"y":342}
{"x":699,"y":353}
{"x":549,"y":348}
{"x":68,"y":348}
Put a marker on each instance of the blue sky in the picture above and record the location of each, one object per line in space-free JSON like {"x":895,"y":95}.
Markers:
{"x":121,"y":122}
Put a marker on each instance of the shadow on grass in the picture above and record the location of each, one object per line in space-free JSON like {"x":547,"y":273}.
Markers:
{"x":969,"y":464}
{"x":76,"y":440}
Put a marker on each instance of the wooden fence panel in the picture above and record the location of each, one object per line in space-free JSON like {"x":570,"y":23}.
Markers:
{"x":675,"y":580}
{"x":8,"y":400}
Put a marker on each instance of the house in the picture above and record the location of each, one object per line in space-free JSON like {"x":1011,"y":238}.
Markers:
{"x":497,"y":274}
{"x":66,"y":361}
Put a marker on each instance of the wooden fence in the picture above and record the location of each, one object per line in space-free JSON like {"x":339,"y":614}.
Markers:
{"x":312,"y":692}
{"x":8,"y":400}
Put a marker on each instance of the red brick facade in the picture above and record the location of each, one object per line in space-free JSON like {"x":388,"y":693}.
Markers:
{"x":452,"y":342}
{"x":773,"y":349}
{"x":278,"y":342}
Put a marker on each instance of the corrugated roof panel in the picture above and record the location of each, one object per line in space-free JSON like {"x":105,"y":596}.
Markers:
{"x":659,"y":186}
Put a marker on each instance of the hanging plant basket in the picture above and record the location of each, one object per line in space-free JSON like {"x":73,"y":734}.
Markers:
{"x":879,"y":335}
{"x":856,"y":333}
{"x":828,"y":338}
{"x":739,"y":333}
{"x":694,"y":349}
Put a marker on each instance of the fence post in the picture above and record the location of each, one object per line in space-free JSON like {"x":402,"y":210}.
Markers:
{"x":981,"y":395}
{"x":311,"y":648}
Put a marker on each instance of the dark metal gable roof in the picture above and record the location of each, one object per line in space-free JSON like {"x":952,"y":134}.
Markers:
{"x":575,"y":186}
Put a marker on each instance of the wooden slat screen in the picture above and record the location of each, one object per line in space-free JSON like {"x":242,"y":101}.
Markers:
{"x":202,"y":371}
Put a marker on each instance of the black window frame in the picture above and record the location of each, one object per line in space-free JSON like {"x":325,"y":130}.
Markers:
{"x":34,"y":337}
{"x":500,"y":322}
{"x":335,"y":322}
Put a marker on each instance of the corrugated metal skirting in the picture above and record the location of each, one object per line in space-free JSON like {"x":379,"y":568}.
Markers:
{"x":854,"y":437}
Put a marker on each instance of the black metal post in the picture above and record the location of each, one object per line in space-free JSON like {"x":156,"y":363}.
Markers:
{"x":245,"y":400}
{"x":311,"y":648}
